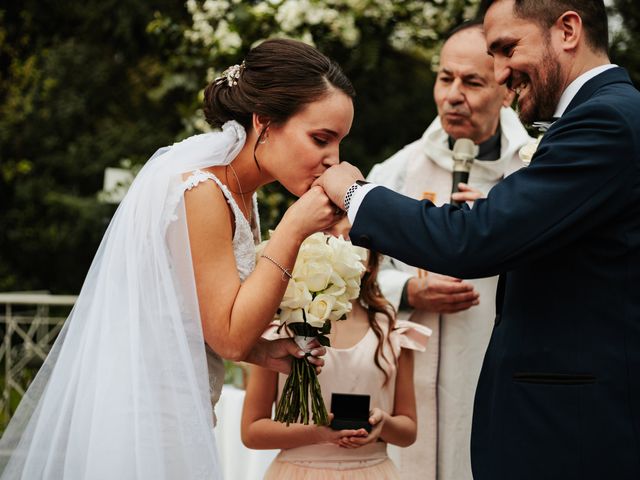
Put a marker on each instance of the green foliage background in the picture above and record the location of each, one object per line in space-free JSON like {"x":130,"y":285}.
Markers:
{"x":89,"y":84}
{"x":74,"y":98}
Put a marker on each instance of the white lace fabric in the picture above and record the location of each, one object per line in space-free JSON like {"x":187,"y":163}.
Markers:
{"x":245,"y":236}
{"x":125,"y":391}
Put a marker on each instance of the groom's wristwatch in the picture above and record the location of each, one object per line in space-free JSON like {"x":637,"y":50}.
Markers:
{"x":350,"y":191}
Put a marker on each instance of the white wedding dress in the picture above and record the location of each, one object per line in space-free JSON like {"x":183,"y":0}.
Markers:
{"x":127,"y":389}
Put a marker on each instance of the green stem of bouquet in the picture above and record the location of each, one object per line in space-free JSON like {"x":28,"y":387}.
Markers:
{"x":293,"y":406}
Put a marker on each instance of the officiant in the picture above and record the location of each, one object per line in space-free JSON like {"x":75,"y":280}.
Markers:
{"x":559,"y":391}
{"x":460,"y":313}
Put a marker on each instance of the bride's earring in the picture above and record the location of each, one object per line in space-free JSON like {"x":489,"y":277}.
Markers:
{"x":262,"y":139}
{"x":264,"y":136}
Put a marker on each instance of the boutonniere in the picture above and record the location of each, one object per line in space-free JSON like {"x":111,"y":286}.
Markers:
{"x":527,"y":151}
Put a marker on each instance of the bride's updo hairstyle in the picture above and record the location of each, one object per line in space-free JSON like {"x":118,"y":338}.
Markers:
{"x":276,"y":80}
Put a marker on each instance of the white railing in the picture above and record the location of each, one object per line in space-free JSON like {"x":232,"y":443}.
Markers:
{"x":29,"y":329}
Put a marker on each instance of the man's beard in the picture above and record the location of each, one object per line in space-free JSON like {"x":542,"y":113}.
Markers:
{"x":545,"y":92}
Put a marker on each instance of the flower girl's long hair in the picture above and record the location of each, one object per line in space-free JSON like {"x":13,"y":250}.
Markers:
{"x":372,"y":299}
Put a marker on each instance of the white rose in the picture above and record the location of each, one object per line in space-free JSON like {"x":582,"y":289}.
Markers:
{"x":314,"y":248}
{"x":340,"y":308}
{"x":317,"y":238}
{"x":291,"y":315}
{"x":297,"y":295}
{"x":315,"y":274}
{"x":337,"y":286}
{"x":314,"y":321}
{"x":320,"y":309}
{"x":362,"y":253}
{"x":346,"y":259}
{"x":353,"y":288}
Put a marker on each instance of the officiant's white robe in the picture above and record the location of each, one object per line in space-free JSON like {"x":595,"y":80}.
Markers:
{"x":447,"y":373}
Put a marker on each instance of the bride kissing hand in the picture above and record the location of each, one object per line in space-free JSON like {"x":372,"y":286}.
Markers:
{"x":312,"y":212}
{"x":336,"y":181}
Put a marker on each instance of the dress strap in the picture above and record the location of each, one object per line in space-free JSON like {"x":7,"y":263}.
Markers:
{"x":199,"y":176}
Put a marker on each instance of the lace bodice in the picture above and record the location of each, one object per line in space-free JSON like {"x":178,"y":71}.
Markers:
{"x":245,"y":238}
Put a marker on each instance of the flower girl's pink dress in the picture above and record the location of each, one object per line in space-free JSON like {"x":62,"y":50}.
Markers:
{"x":352,"y":370}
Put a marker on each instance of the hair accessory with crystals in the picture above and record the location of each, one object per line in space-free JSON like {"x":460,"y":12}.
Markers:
{"x":231,"y":75}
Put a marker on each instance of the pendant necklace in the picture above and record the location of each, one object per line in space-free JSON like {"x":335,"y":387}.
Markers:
{"x":242,"y":193}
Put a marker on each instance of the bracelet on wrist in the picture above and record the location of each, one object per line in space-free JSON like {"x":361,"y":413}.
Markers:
{"x":284,"y":270}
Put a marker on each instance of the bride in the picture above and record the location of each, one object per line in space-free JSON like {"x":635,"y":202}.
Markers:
{"x":128,"y":389}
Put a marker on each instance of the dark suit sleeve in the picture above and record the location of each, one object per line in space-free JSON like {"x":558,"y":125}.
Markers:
{"x":576,"y":182}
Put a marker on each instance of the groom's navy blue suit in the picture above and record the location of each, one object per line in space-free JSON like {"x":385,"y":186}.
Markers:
{"x":559,"y":393}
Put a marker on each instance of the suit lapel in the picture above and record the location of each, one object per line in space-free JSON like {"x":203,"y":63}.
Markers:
{"x":613,"y":75}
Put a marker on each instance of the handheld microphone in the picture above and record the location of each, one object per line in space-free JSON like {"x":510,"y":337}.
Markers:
{"x":464,"y":152}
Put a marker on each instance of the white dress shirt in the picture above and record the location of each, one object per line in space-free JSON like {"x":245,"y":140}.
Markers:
{"x":576,"y":85}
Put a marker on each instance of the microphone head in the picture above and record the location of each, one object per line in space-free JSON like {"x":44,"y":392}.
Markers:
{"x":464,"y":149}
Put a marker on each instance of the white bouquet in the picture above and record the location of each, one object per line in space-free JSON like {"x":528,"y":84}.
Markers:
{"x":324,"y":280}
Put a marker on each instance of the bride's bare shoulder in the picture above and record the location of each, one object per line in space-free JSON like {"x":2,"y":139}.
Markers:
{"x":207,"y":208}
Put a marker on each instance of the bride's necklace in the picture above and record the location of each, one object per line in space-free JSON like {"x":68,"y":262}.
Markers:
{"x":242,"y":194}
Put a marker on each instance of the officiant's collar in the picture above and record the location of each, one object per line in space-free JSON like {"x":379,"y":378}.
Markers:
{"x":489,"y":149}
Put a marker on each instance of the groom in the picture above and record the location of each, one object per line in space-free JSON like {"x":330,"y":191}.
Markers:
{"x":559,"y":393}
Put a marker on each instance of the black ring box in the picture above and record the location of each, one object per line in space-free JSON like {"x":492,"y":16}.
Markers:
{"x":350,"y":411}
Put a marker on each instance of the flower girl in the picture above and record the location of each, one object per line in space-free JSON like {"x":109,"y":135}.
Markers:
{"x":370,"y":353}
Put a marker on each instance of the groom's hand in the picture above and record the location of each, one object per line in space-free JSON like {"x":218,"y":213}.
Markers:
{"x":337,"y":179}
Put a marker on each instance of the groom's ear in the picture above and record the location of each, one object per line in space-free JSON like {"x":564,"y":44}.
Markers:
{"x":569,"y":30}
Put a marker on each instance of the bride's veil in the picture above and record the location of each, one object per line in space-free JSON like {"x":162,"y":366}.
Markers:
{"x":124,"y":393}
